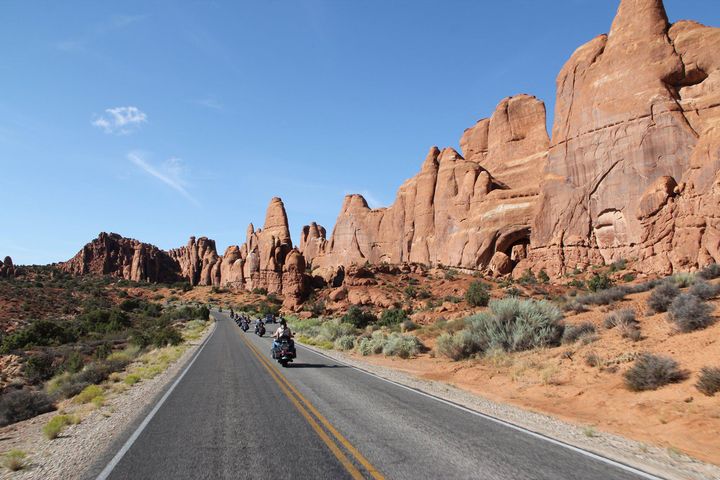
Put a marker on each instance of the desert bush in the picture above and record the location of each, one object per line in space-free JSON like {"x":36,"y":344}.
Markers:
{"x":709,"y":381}
{"x":14,"y":460}
{"x":662,"y":296}
{"x":603,"y":297}
{"x":88,"y":393}
{"x":372,"y":344}
{"x":346,"y":342}
{"x":599,"y":282}
{"x":510,"y":324}
{"x":74,"y":362}
{"x":39,"y":367}
{"x":651,"y":372}
{"x":477,"y":294}
{"x":543,"y":276}
{"x":690,"y":313}
{"x":624,"y":316}
{"x":331,"y":330}
{"x":68,"y":385}
{"x":392,"y":317}
{"x":18,"y":405}
{"x":38,"y":333}
{"x":358,"y":317}
{"x":630,"y":331}
{"x":710,"y":272}
{"x":704,"y":290}
{"x":103,"y":321}
{"x":573,"y":333}
{"x":618,"y":265}
{"x":408,"y":326}
{"x":158,"y":332}
{"x":592,"y":359}
{"x":460,"y":345}
{"x":403,"y":346}
{"x":131,"y":379}
{"x":683,"y":279}
{"x":527,"y":278}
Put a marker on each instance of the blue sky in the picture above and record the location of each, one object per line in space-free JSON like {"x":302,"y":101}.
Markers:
{"x":161,"y":119}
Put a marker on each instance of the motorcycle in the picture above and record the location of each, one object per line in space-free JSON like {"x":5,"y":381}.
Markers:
{"x":244,"y":325}
{"x":260,"y":330}
{"x":283,"y":351}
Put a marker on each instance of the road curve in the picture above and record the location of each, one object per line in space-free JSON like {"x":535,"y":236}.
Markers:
{"x":237,"y":414}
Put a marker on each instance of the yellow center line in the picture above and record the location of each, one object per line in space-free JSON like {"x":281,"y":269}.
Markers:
{"x":354,"y":472}
{"x":349,"y":446}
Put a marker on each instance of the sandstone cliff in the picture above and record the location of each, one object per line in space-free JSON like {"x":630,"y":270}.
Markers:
{"x":111,"y":254}
{"x":471,"y":211}
{"x":633,"y":163}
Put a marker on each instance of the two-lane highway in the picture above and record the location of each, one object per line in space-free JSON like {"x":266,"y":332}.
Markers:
{"x":237,"y":414}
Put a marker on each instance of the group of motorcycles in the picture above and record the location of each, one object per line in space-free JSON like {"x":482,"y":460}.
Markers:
{"x":283,"y":349}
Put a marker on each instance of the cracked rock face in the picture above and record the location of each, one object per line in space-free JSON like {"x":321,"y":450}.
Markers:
{"x":633,"y":107}
{"x":458,"y":210}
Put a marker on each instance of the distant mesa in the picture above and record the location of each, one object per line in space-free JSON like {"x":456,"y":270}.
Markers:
{"x":632,"y":171}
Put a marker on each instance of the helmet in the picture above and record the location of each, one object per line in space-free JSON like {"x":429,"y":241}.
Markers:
{"x":283,"y":323}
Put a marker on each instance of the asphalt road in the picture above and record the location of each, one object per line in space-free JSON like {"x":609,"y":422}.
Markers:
{"x":238,"y":414}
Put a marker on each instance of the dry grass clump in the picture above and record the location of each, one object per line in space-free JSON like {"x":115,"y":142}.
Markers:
{"x":689,"y":313}
{"x":662,"y":296}
{"x":651,"y":372}
{"x":584,"y":331}
{"x":14,"y":460}
{"x":704,"y":290}
{"x":709,"y":382}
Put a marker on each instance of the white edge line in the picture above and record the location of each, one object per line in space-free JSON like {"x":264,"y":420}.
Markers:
{"x":500,"y":421}
{"x":129,"y":443}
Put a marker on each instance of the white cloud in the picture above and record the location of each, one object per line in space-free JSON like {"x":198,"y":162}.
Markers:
{"x":172,"y":173}
{"x":120,"y":120}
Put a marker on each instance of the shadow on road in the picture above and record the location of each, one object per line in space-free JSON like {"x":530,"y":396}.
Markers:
{"x":314,"y":365}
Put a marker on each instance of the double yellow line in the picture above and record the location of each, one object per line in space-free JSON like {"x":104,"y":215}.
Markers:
{"x":310,"y":413}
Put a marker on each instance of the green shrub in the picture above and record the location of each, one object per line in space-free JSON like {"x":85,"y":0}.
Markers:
{"x":410,"y":291}
{"x":332,"y":330}
{"x":460,"y":345}
{"x":511,"y":325}
{"x":392,"y":317}
{"x":14,"y":460}
{"x":103,"y":321}
{"x":403,"y":346}
{"x":527,"y":278}
{"x":582,"y":331}
{"x":158,"y":332}
{"x":88,"y":394}
{"x":662,"y":296}
{"x":709,"y":381}
{"x":599,"y":282}
{"x":358,"y":317}
{"x":131,"y":379}
{"x":56,"y":425}
{"x":618,"y":265}
{"x":651,"y":372}
{"x":74,"y":362}
{"x":39,"y":367}
{"x":683,"y":279}
{"x":18,"y":405}
{"x":477,"y":294}
{"x":373,"y":344}
{"x":40,"y":333}
{"x":203,"y":313}
{"x":408,"y":326}
{"x":346,"y":342}
{"x":690,"y":313}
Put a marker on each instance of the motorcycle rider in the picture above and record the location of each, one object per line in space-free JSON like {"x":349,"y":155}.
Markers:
{"x":283,"y":331}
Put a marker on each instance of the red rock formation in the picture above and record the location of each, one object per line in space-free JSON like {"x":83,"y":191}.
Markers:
{"x":637,"y":112}
{"x":111,"y":254}
{"x":312,"y":241}
{"x":457,"y":211}
{"x":7,"y":269}
{"x":199,"y":261}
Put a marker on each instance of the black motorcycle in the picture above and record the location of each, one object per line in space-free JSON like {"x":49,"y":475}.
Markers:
{"x":260,"y":329}
{"x":283,"y":351}
{"x":244,"y":325}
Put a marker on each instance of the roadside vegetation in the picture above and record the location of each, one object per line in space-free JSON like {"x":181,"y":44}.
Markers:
{"x":72,"y":356}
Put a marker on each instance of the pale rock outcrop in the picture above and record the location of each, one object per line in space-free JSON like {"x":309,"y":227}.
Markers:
{"x":636,"y":113}
{"x":312,"y":241}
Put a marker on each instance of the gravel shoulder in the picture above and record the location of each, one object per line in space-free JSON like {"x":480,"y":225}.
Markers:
{"x":80,"y":446}
{"x":654,"y":460}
